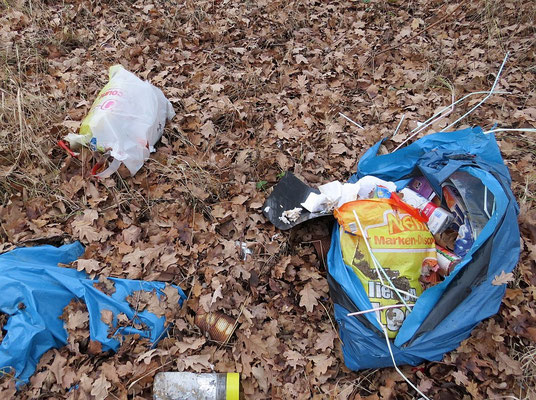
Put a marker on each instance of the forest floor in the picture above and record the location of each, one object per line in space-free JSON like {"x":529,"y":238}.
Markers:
{"x":257,"y":87}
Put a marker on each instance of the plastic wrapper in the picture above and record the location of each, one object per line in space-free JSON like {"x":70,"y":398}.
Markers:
{"x":400,"y":242}
{"x":127,"y":119}
{"x":421,"y":186}
{"x":34,"y":293}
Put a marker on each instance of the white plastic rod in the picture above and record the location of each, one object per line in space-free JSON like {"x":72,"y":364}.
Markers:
{"x":398,"y":369}
{"x":351,"y":120}
{"x":433,"y":119}
{"x":399,"y":124}
{"x":484,"y":99}
{"x":532,"y":130}
{"x":378,"y":309}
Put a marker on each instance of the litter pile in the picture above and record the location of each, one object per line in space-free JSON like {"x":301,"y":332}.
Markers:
{"x":421,"y":235}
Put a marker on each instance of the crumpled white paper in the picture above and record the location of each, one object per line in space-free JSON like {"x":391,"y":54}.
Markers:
{"x":335,"y":194}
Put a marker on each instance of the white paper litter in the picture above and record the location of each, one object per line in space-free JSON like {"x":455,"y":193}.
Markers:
{"x":335,"y":194}
{"x":244,"y":249}
{"x":289,"y":216}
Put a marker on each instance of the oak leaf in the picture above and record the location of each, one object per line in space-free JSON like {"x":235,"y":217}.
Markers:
{"x":89,"y":266}
{"x":503,"y":278}
{"x":308,"y":297}
{"x":325,"y":340}
{"x":100,"y":388}
{"x":172,"y":295}
{"x":77,"y":320}
{"x":107,"y":317}
{"x":322,"y":363}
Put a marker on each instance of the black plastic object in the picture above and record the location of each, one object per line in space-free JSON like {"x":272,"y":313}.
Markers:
{"x":288,"y":194}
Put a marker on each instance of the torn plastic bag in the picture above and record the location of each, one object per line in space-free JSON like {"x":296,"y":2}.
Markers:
{"x":34,"y":293}
{"x":444,"y":314}
{"x":127,"y":118}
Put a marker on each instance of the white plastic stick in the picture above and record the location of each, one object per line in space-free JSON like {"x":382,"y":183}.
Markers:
{"x":378,"y":266}
{"x":399,"y":124}
{"x":532,"y":130}
{"x":396,"y":367}
{"x":367,"y":244}
{"x":485,"y":98}
{"x":378,"y":309}
{"x":351,"y":120}
{"x":486,"y":202}
{"x":433,"y":119}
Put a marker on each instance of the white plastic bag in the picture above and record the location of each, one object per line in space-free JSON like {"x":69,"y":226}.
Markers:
{"x":127,"y":118}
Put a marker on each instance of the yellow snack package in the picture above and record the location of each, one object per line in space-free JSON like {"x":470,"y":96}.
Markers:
{"x":400,"y":241}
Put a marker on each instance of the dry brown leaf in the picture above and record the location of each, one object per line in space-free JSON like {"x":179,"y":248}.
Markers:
{"x":100,"y":388}
{"x":308,"y":297}
{"x":79,"y":319}
{"x":325,"y":340}
{"x":83,"y":226}
{"x":503,"y":278}
{"x":90,"y":266}
{"x":322,"y":363}
{"x":110,"y":372}
{"x":57,"y":367}
{"x":172,"y":295}
{"x":107,"y":317}
{"x":197,"y":362}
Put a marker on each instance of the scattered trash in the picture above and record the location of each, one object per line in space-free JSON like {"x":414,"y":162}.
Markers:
{"x":66,"y":147}
{"x":289,"y":216}
{"x":289,"y":194}
{"x":35,"y":292}
{"x":421,"y":186}
{"x":190,"y":386}
{"x":467,"y":166}
{"x":437,"y":218}
{"x":446,"y":260}
{"x":293,"y":202}
{"x":218,"y":325}
{"x":244,"y":250}
{"x":126,"y":120}
{"x":335,"y":194}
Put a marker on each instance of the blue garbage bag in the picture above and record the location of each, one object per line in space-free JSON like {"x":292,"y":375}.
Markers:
{"x":444,"y":314}
{"x":34,"y":292}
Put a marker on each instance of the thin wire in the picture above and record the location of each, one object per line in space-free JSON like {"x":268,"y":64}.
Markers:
{"x":396,"y":367}
{"x":485,"y":98}
{"x":378,"y":309}
{"x":351,"y":120}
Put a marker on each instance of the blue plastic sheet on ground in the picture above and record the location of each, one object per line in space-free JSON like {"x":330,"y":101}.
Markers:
{"x":445,"y":314}
{"x":34,"y":292}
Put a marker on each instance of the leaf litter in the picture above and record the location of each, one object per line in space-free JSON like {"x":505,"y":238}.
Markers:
{"x":257,"y":88}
